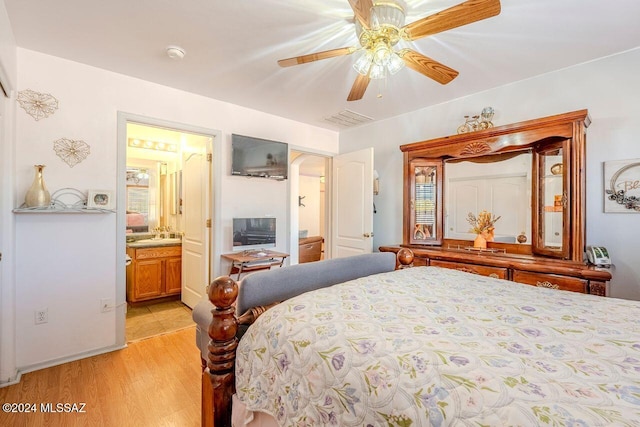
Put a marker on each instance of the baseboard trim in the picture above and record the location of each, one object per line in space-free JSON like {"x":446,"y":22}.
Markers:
{"x":9,"y":382}
{"x":60,"y":361}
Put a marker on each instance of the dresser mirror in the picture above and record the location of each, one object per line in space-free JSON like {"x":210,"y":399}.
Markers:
{"x":501,"y":184}
{"x":530,"y":174}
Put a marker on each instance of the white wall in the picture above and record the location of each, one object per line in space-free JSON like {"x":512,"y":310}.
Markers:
{"x":67,"y":262}
{"x":310,"y":216}
{"x":8,"y":77}
{"x":608,"y":88}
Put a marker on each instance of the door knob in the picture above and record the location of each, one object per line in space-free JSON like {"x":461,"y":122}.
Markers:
{"x":367,"y":235}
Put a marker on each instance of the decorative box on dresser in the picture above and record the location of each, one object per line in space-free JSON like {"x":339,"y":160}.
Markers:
{"x":549,"y":249}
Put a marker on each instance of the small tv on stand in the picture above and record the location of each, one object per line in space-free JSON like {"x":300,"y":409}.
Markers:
{"x":254,"y":233}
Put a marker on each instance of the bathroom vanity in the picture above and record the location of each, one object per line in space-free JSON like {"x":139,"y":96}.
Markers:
{"x":155,"y":270}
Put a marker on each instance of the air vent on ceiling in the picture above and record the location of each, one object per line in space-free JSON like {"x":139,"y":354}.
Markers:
{"x":348,"y":118}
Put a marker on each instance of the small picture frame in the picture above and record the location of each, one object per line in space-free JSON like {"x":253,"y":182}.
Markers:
{"x":100,"y":199}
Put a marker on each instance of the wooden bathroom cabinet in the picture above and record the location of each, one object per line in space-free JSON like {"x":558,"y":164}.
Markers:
{"x":154,"y":272}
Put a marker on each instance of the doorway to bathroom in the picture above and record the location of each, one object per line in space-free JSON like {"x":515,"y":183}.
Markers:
{"x":167,"y":227}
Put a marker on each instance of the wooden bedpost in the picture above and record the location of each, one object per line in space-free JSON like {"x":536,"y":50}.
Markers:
{"x":218,"y":380}
{"x":404,"y":258}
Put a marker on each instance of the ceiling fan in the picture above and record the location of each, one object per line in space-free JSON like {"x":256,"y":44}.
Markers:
{"x":380,"y":26}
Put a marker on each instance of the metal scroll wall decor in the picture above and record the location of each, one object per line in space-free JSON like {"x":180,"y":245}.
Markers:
{"x":70,"y":151}
{"x":622,"y":186}
{"x":37,"y":105}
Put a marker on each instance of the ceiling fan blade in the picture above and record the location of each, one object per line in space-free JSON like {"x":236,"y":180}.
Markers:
{"x":316,"y":56}
{"x":359,"y":87}
{"x":362,"y":10}
{"x":456,"y":16}
{"x":427,"y":66}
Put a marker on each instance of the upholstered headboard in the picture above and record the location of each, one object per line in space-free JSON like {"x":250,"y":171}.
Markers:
{"x":271,"y":286}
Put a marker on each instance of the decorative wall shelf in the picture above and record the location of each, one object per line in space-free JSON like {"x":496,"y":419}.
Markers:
{"x":65,"y":200}
{"x":51,"y":210}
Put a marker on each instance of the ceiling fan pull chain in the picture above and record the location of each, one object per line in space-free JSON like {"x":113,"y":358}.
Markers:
{"x":382,"y":87}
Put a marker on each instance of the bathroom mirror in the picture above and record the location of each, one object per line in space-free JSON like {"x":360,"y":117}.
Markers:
{"x":500,"y":184}
{"x":141,"y":186}
{"x":150,"y":195}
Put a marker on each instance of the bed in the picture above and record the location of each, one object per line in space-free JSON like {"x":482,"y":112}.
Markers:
{"x":426,"y":346}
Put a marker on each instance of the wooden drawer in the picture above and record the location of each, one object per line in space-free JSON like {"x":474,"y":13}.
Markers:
{"x":158,"y":252}
{"x":419,"y":262}
{"x":552,"y":281}
{"x":598,"y":288}
{"x":483,"y":270}
{"x":309,"y":252}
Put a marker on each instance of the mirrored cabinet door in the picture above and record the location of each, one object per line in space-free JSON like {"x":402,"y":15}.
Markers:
{"x":425,"y":202}
{"x":552,"y":225}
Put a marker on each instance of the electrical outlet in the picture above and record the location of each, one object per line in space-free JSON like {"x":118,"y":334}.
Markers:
{"x":106,"y":304}
{"x":41,"y":316}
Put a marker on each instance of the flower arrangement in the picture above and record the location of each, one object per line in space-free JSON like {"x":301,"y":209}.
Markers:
{"x":483,"y":223}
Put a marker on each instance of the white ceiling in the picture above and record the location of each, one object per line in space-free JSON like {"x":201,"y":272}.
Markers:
{"x":232,"y":47}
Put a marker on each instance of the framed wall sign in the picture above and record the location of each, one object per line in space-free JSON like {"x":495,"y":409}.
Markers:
{"x":100,"y":199}
{"x":622,"y":186}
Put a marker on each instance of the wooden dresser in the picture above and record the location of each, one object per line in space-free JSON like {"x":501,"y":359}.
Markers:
{"x":528,"y":269}
{"x":531,"y":174}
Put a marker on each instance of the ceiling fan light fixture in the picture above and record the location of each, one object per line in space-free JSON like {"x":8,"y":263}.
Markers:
{"x":363,"y":63}
{"x":395,"y":63}
{"x":377,"y":71}
{"x":388,"y":13}
{"x":379,"y":61}
{"x":381,"y":53}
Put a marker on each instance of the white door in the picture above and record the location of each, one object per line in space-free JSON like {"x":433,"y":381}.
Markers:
{"x":352,"y":210}
{"x":195,"y":211}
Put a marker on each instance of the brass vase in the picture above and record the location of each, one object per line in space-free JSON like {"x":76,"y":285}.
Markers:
{"x":37,"y":195}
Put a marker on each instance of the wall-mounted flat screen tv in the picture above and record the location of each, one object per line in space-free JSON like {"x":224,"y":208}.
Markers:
{"x":256,"y":233}
{"x":259,"y":157}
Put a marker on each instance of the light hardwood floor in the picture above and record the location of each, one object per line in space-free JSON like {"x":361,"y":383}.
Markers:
{"x":153,"y":382}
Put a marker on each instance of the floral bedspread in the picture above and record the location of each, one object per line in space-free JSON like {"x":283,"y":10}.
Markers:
{"x":430,"y":346}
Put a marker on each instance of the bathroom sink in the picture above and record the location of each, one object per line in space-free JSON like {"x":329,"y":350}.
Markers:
{"x":155,"y":242}
{"x":168,"y":240}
